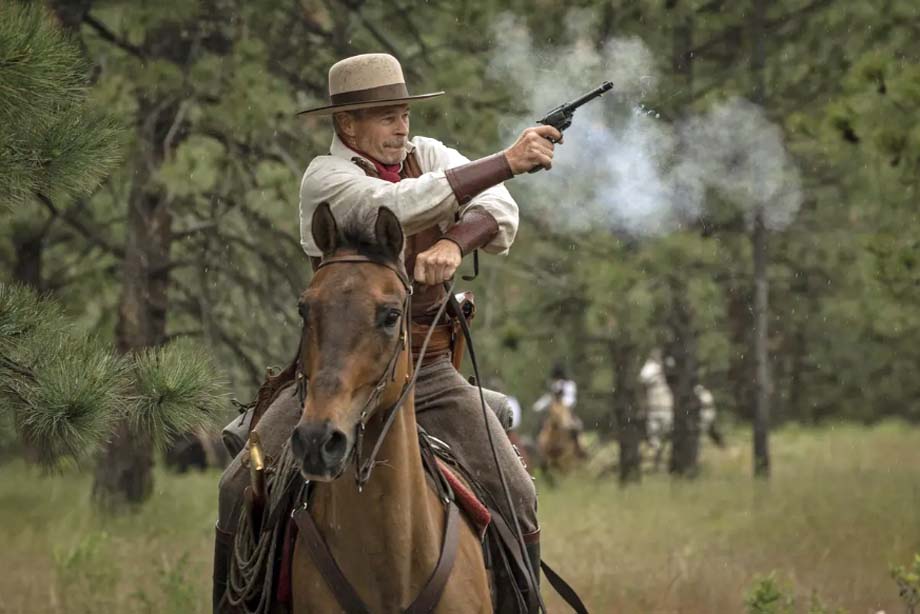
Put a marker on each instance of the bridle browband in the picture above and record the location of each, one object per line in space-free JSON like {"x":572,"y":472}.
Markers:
{"x":364,"y":468}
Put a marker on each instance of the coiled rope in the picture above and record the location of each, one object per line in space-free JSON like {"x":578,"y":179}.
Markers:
{"x":251,"y":567}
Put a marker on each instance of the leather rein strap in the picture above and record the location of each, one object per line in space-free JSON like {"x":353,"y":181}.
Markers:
{"x":515,"y":540}
{"x":346,"y":595}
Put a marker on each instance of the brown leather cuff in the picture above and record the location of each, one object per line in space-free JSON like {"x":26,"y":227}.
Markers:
{"x":475,"y":229}
{"x":472,"y":178}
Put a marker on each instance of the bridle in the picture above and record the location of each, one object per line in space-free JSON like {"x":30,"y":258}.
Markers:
{"x":364,"y":467}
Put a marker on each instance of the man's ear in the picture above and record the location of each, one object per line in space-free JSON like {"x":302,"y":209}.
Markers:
{"x":389,"y":233}
{"x":325,"y":232}
{"x":345,"y":124}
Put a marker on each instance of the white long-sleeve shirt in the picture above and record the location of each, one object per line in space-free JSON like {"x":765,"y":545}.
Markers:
{"x":418,"y":203}
{"x":565,"y":389}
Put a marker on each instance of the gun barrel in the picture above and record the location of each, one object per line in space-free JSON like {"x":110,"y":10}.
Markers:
{"x":598,"y":91}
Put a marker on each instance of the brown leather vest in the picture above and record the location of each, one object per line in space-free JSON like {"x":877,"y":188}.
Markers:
{"x":425,"y":299}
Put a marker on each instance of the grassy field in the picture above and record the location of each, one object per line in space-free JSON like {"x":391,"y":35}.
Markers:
{"x":843,"y":504}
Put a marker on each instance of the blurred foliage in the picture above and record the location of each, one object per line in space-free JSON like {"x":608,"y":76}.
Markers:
{"x":908,"y":581}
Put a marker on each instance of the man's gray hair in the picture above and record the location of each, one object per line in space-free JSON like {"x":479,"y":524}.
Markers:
{"x":337,"y":117}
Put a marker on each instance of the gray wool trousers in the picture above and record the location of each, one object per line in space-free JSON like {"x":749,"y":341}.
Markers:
{"x":449,"y":408}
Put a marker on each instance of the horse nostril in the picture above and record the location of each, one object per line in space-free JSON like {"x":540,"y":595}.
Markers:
{"x":334,"y":447}
{"x":298,"y":446}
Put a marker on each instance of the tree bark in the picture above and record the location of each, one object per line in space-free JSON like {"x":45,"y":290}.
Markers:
{"x":760,"y":348}
{"x":680,"y":368}
{"x":740,"y":368}
{"x":123,"y":472}
{"x":27,"y":270}
{"x":760,"y":351}
{"x":630,"y":426}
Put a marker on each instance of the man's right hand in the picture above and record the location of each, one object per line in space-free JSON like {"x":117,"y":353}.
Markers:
{"x":533,"y":149}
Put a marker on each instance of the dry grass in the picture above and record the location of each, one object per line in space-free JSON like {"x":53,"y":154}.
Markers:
{"x":843,"y":504}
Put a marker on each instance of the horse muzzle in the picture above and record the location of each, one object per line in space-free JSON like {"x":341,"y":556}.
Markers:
{"x":322,"y":450}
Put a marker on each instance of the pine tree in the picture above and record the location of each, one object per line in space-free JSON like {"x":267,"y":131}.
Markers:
{"x":65,"y":391}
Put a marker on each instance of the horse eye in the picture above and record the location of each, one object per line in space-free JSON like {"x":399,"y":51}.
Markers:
{"x":392,"y":318}
{"x":304,"y":310}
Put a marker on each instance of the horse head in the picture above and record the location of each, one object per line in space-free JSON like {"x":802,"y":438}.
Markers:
{"x":353,"y":348}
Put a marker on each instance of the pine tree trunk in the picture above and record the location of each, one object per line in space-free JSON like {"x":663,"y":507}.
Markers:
{"x":740,"y":371}
{"x":760,"y":351}
{"x":27,"y":270}
{"x":124,"y":469}
{"x":681,"y":373}
{"x":761,"y":304}
{"x":630,"y":426}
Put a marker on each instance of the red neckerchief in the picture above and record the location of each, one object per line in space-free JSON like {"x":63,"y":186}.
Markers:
{"x":387,"y":172}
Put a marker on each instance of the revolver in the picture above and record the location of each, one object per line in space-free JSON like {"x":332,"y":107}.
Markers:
{"x":560,"y":118}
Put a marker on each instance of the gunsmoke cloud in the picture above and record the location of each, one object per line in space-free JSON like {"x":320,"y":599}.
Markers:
{"x":622,"y":166}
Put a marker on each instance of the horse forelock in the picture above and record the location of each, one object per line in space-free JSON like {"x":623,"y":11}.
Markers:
{"x":357,"y":235}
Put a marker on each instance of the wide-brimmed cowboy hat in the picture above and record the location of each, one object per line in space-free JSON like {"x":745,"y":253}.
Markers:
{"x":366,"y":81}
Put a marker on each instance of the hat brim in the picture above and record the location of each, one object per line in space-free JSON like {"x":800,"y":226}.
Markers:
{"x":354,"y":106}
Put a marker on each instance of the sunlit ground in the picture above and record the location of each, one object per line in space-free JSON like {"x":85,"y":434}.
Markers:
{"x":843,"y":504}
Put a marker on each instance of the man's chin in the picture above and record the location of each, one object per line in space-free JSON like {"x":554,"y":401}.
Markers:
{"x":393,"y":155}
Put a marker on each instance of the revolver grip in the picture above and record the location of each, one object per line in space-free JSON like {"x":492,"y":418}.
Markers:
{"x":560,"y":126}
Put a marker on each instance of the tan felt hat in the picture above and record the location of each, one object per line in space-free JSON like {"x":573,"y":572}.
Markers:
{"x":366,"y":81}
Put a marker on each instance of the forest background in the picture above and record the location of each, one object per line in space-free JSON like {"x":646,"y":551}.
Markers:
{"x":193,"y":234}
{"x":744,"y":201}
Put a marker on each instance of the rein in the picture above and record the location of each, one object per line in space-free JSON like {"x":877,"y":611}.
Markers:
{"x":565,"y":591}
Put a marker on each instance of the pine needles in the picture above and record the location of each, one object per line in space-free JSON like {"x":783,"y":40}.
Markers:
{"x":177,"y":391}
{"x":51,"y":142}
{"x":66,"y":392}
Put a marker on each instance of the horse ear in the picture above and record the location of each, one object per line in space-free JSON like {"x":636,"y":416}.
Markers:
{"x":325,"y":232}
{"x":389,"y":232}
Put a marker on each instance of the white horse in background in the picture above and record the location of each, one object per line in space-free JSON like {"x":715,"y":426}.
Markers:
{"x":659,"y":415}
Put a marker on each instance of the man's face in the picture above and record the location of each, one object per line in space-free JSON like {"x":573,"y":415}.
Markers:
{"x":381,"y":133}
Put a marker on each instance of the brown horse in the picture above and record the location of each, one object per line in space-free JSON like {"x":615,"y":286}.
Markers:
{"x":558,"y":443}
{"x":387,"y":537}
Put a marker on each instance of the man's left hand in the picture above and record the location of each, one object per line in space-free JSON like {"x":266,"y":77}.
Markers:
{"x":438,"y":263}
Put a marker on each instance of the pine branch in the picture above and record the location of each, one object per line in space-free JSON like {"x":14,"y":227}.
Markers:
{"x":177,"y":391}
{"x":193,"y":230}
{"x":772,"y":26}
{"x":106,"y":34}
{"x":82,"y":228}
{"x":193,"y":305}
{"x":10,"y":365}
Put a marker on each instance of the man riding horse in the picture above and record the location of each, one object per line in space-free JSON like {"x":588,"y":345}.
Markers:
{"x":448,"y":207}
